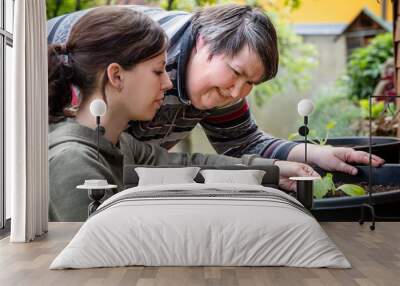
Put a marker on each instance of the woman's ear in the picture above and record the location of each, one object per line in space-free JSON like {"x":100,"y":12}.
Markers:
{"x":115,"y":76}
{"x":200,"y":42}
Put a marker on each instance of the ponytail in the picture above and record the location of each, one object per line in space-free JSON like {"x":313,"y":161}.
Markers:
{"x":59,"y":81}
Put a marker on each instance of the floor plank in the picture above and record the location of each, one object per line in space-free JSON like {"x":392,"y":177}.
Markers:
{"x":374,"y":255}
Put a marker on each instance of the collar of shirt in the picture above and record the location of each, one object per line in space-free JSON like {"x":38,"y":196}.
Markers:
{"x":186,"y":47}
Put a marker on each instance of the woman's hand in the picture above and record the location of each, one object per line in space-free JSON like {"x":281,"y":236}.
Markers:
{"x":293,"y":169}
{"x":337,"y":159}
{"x":334,"y":158}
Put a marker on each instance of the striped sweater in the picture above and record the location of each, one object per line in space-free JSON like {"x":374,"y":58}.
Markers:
{"x":231,"y":130}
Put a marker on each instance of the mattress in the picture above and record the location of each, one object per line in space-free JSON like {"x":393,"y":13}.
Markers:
{"x":201,"y":225}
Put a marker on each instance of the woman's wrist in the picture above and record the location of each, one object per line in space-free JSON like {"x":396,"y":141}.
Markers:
{"x":298,"y":152}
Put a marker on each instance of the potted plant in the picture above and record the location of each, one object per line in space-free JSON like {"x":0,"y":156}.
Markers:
{"x":345,"y":194}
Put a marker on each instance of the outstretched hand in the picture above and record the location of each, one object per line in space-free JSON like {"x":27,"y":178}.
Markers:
{"x":335,"y":158}
{"x":289,"y":169}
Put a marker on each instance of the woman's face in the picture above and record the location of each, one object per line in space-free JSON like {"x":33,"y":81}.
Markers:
{"x":221,"y":80}
{"x":143,"y":88}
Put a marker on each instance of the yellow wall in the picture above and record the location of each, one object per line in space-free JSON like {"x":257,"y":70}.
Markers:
{"x":334,"y":11}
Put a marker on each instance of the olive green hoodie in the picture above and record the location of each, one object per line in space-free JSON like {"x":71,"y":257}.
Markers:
{"x":73,"y":159}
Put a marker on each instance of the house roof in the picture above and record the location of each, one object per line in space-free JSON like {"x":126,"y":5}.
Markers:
{"x":365,"y":12}
{"x":338,"y":29}
{"x":319,"y":29}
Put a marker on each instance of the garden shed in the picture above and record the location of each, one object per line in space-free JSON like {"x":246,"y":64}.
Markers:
{"x":362,"y":29}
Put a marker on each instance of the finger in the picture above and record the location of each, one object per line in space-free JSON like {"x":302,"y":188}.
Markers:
{"x":376,"y":161}
{"x":287,"y":185}
{"x":359,"y":157}
{"x":311,"y":172}
{"x":346,"y":168}
{"x":363,"y":158}
{"x":307,"y":171}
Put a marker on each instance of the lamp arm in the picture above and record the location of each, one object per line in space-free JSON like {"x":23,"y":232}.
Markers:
{"x":98,"y":137}
{"x":305,"y":138}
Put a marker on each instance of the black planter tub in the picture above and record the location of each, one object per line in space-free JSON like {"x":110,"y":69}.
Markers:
{"x":387,"y":204}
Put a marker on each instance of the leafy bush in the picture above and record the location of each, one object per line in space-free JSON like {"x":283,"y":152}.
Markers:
{"x":347,"y":102}
{"x":364,"y":66}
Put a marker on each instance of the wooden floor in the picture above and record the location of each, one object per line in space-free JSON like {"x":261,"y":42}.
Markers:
{"x":374,"y":255}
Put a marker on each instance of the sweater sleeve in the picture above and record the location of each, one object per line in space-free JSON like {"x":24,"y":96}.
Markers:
{"x":137,"y":152}
{"x":67,"y":170}
{"x":232,"y":131}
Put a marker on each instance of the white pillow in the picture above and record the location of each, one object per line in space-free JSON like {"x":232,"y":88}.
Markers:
{"x":248,"y":177}
{"x":164,"y":176}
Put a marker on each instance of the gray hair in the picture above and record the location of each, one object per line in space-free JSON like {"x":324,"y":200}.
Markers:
{"x":228,"y":28}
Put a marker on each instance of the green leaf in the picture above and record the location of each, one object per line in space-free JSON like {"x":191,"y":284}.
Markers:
{"x":293,"y":136}
{"x":376,"y":111}
{"x":352,"y":190}
{"x":330,"y":125}
{"x":323,"y":186}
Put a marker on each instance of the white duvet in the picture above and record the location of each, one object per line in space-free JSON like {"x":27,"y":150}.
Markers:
{"x":267,"y":229}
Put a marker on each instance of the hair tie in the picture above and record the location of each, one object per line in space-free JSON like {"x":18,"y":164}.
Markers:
{"x":65,"y":54}
{"x":65,"y":59}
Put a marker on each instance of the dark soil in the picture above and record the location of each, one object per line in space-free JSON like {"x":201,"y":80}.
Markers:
{"x":375,"y":189}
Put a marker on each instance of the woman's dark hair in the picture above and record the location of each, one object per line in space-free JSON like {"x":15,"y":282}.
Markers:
{"x":228,"y":28}
{"x":103,"y":36}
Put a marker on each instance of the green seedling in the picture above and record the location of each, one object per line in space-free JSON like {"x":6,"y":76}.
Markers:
{"x":313,"y":138}
{"x":325,"y":185}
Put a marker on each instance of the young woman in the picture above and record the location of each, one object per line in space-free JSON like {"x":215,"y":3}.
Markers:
{"x":117,"y":55}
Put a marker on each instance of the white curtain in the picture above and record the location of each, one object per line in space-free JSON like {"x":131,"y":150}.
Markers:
{"x":26,"y":124}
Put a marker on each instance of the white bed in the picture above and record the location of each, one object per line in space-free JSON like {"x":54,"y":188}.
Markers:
{"x":203,"y":225}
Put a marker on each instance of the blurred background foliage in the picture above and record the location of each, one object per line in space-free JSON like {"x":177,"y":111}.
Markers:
{"x":332,"y":105}
{"x":296,"y":62}
{"x":346,"y":103}
{"x":55,"y":8}
{"x":364,"y":66}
